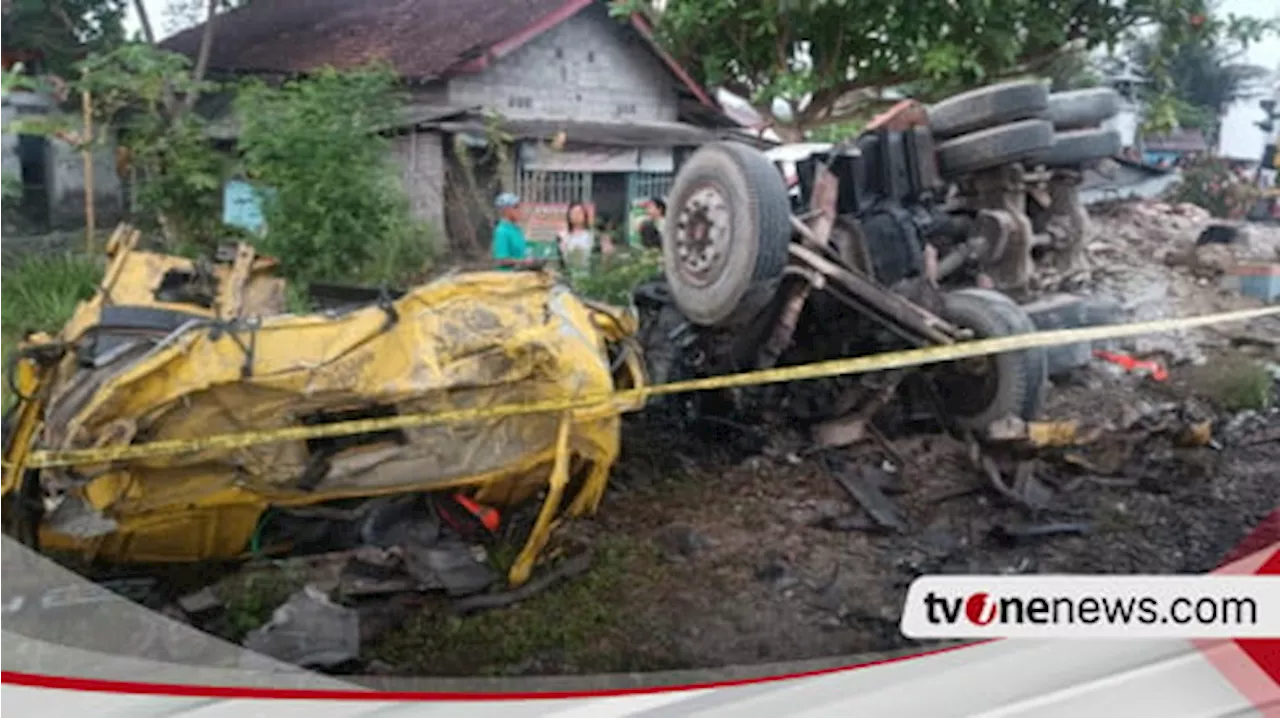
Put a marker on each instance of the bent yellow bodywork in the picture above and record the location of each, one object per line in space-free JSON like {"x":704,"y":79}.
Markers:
{"x":464,"y":341}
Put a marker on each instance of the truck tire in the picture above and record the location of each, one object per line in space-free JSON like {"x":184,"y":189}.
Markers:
{"x":1037,"y":358}
{"x":727,"y":230}
{"x":977,"y":392}
{"x":1080,"y":147}
{"x":1079,"y":109}
{"x":1024,"y":141}
{"x":987,"y":107}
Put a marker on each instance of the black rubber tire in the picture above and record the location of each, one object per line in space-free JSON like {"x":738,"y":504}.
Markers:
{"x":1020,"y":377}
{"x":760,"y":228}
{"x":1036,"y":359}
{"x":1024,"y":141}
{"x":1080,"y":109}
{"x":1082,"y":147}
{"x":988,"y":107}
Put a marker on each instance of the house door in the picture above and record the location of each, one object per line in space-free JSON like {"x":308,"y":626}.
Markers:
{"x":33,"y":158}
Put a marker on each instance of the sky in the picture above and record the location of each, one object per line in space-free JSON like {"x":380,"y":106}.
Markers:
{"x":1240,"y":138}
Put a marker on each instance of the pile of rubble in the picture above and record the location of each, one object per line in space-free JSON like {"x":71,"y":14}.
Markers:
{"x":1160,"y":261}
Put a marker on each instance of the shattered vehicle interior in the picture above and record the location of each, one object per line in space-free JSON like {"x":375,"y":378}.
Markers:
{"x":923,"y":230}
{"x":173,"y":349}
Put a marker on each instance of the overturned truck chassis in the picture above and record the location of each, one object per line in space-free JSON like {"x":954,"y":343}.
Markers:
{"x":827,"y":305}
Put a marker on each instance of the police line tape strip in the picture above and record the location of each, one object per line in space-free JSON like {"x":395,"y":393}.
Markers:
{"x":835,"y":367}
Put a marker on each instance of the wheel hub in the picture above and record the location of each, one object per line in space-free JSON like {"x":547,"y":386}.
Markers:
{"x":703,"y":227}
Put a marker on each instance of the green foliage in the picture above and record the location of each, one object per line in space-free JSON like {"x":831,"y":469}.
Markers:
{"x":40,"y":295}
{"x":63,"y":30}
{"x":1237,"y":384}
{"x":138,"y":94}
{"x":835,"y":132}
{"x":613,"y":279}
{"x":1198,"y":74}
{"x":1071,"y":70}
{"x":815,"y":53}
{"x":336,"y":208}
{"x":1210,"y":183}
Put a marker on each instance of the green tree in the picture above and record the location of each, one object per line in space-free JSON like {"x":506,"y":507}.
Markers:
{"x":61,"y":32}
{"x":1203,"y":77}
{"x":830,"y":58}
{"x":334,"y":204}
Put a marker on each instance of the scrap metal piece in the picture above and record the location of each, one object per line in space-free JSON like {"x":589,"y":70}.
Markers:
{"x":1020,"y":533}
{"x":877,"y":505}
{"x":310,"y":631}
{"x":891,"y":310}
{"x":450,"y":566}
{"x":567,"y":569}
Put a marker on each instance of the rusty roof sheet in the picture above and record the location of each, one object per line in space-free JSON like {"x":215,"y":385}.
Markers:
{"x":1176,"y":141}
{"x":419,"y":38}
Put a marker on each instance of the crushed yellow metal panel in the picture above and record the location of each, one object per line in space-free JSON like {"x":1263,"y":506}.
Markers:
{"x":464,"y":341}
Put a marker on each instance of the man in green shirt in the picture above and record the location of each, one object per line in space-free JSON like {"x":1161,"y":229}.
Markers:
{"x":510,"y":250}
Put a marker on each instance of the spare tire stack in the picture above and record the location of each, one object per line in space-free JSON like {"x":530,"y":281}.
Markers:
{"x":1022,"y":122}
{"x":991,"y":127}
{"x":1077,"y":117}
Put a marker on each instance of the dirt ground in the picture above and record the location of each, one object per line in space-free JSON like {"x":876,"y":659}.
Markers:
{"x":723,"y":544}
{"x":717,"y":546}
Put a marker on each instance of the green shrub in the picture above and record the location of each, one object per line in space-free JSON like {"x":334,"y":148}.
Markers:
{"x":40,"y":294}
{"x":334,"y":207}
{"x":612,"y":279}
{"x":1211,"y":183}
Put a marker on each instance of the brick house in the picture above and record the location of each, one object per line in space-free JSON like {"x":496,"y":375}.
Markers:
{"x":594,"y":109}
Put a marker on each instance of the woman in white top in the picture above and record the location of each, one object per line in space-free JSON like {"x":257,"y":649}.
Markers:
{"x":578,"y":241}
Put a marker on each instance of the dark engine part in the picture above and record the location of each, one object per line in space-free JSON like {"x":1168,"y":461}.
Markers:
{"x":892,"y":236}
{"x":887,"y":189}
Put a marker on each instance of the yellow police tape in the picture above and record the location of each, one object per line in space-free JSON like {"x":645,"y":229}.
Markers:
{"x":817,"y":370}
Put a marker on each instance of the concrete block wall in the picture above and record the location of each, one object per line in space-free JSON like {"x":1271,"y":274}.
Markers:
{"x":421,"y":159}
{"x":66,"y":191}
{"x":64,"y":169}
{"x":586,"y":68}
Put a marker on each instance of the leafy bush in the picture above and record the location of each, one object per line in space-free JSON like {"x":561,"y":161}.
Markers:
{"x":40,"y":295}
{"x":336,"y":207}
{"x":614,"y":278}
{"x":1211,"y":183}
{"x":140,"y":91}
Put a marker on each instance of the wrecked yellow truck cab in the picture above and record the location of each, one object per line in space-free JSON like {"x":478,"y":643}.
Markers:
{"x":174,"y":350}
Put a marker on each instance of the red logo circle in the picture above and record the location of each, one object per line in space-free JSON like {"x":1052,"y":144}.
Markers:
{"x":980,"y":609}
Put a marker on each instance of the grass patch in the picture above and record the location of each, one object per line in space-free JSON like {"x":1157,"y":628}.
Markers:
{"x":581,"y":625}
{"x":250,"y":598}
{"x":40,"y":294}
{"x":1237,"y":384}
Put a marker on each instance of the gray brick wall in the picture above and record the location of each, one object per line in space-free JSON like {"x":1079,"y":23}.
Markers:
{"x":586,"y":68}
{"x":421,"y":160}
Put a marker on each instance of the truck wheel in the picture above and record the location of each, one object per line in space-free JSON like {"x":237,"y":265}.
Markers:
{"x":981,"y":390}
{"x":1028,"y":140}
{"x":727,"y":230}
{"x":1080,"y":109}
{"x":987,"y":107}
{"x":1079,"y":147}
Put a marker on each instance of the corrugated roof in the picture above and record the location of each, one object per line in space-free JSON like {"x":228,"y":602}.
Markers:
{"x":420,"y":38}
{"x":1176,"y":141}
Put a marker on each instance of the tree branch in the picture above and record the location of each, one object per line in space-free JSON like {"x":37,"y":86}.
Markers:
{"x":202,"y":57}
{"x":145,"y":20}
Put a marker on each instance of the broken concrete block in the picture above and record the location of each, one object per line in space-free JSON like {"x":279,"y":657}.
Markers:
{"x":200,"y":602}
{"x":310,"y":631}
{"x":1258,"y":280}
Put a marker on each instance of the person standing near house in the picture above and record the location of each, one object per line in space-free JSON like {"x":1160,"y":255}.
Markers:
{"x":510,"y":250}
{"x":651,"y":228}
{"x":577,"y":242}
